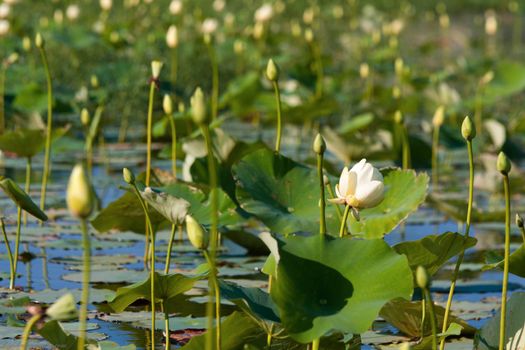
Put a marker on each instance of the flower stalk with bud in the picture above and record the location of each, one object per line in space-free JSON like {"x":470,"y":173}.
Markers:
{"x":319,"y":148}
{"x":423,"y":282}
{"x":156,"y":66}
{"x":437,"y":121}
{"x":272,"y":74}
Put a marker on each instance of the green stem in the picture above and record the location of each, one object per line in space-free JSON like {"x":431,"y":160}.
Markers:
{"x":315,"y":344}
{"x":432,"y":316}
{"x":17,"y":245}
{"x":342,"y":228}
{"x":423,"y":317}
{"x":27,"y":330}
{"x":322,"y":204}
{"x":27,"y":186}
{"x":214,"y":239}
{"x":332,"y":196}
{"x":503,"y":317}
{"x":45,"y":275}
{"x":174,"y":66}
{"x":214,"y":81}
{"x":170,"y":247}
{"x":406,"y":148}
{"x":435,"y":146}
{"x":9,"y":255}
{"x":149,"y":228}
{"x":49,"y":129}
{"x":279,"y":117}
{"x":166,"y":325}
{"x":462,"y":254}
{"x":86,"y":274}
{"x":319,"y":70}
{"x":2,"y":90}
{"x":148,"y":131}
{"x":214,"y":285}
{"x":173,"y":146}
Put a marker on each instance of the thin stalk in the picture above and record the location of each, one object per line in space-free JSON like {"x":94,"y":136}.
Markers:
{"x":332,"y":195}
{"x":170,"y":247}
{"x":423,"y":317}
{"x":316,"y":50}
{"x":152,"y":263}
{"x":27,"y":186}
{"x":166,"y":324}
{"x":462,"y":254}
{"x":214,"y":81}
{"x":89,"y":157}
{"x":173,"y":146}
{"x":148,"y":131}
{"x":9,"y":255}
{"x":279,"y":116}
{"x":27,"y":330}
{"x":45,"y":275}
{"x":315,"y":344}
{"x":406,"y":148}
{"x":322,"y":204}
{"x":214,"y":292}
{"x":49,"y":129}
{"x":435,"y":147}
{"x":2,"y":90}
{"x":432,"y":315}
{"x":503,"y":317}
{"x":86,"y":274}
{"x":269,"y":336}
{"x":478,"y":110}
{"x":342,"y":228}
{"x":174,"y":66}
{"x":29,"y":277}
{"x":17,"y":245}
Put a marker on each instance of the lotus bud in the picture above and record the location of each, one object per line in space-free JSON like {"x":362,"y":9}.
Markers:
{"x":39,"y":41}
{"x":326,"y":180}
{"x":12,"y":58}
{"x":26,"y":43}
{"x":399,"y":66}
{"x":197,"y":235}
{"x":180,"y":107}
{"x":364,"y":70}
{"x":94,"y":81}
{"x":319,"y":144}
{"x":198,"y":107}
{"x":79,"y":196}
{"x":444,"y":21}
{"x":238,"y":46}
{"x":207,"y":38}
{"x":439,"y":116}
{"x":84,"y":117}
{"x":422,"y":278}
{"x":156,"y":66}
{"x":167,"y":104}
{"x":106,"y":4}
{"x":172,"y":37}
{"x":398,"y":117}
{"x":63,"y":309}
{"x":272,"y":71}
{"x":519,"y":221}
{"x":468,"y":131}
{"x":503,"y":164}
{"x":309,"y":35}
{"x":128,"y":176}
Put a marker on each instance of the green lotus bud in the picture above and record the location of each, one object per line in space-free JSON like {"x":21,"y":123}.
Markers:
{"x":398,"y":117}
{"x":84,"y":117}
{"x":26,"y":43}
{"x":21,"y":199}
{"x":319,"y":144}
{"x":503,"y":164}
{"x":422,"y":278}
{"x":63,"y":309}
{"x":519,"y":221}
{"x":156,"y":66}
{"x":197,"y":235}
{"x":94,"y":81}
{"x":468,"y":131}
{"x":308,"y":35}
{"x":198,"y":107}
{"x":79,"y":196}
{"x":181,"y":107}
{"x":128,"y":176}
{"x":439,"y":116}
{"x":39,"y":41}
{"x":167,"y":104}
{"x":399,"y":66}
{"x":272,"y":71}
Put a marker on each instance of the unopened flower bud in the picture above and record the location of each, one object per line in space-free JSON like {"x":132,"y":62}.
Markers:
{"x":79,"y":196}
{"x":422,"y":278}
{"x":156,"y":66}
{"x":308,"y":35}
{"x":39,"y":41}
{"x":94,"y":81}
{"x":503,"y":164}
{"x":519,"y":221}
{"x":198,"y":107}
{"x":398,"y":117}
{"x":26,"y":43}
{"x":272,"y":71}
{"x":84,"y":117}
{"x":172,"y":37}
{"x":167,"y":104}
{"x":319,"y":144}
{"x":63,"y":309}
{"x":468,"y":131}
{"x":439,"y":116}
{"x":128,"y":176}
{"x":197,"y":235}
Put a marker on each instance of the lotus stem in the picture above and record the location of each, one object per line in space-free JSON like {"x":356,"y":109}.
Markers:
{"x":17,"y":245}
{"x":27,"y":186}
{"x":462,"y":254}
{"x":2,"y":91}
{"x":332,"y":196}
{"x":166,"y":324}
{"x":279,"y":117}
{"x":29,"y":277}
{"x":173,"y":146}
{"x":435,"y":148}
{"x":170,"y":247}
{"x":214,"y":80}
{"x":342,"y":228}
{"x":423,"y":317}
{"x":316,"y":50}
{"x":149,"y":127}
{"x":49,"y":129}
{"x":322,"y":203}
{"x":174,"y":67}
{"x":152,"y":262}
{"x":431,"y":314}
{"x":9,"y":255}
{"x":406,"y":148}
{"x":45,"y":275}
{"x":86,"y":274}
{"x":503,"y":316}
{"x":27,"y":330}
{"x":315,"y":344}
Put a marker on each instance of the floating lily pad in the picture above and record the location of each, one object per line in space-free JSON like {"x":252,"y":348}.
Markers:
{"x":109,"y":276}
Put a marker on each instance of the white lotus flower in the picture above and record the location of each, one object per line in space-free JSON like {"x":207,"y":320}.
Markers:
{"x":360,"y":187}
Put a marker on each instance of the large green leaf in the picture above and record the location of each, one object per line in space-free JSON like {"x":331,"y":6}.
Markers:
{"x":54,"y":333}
{"x":324,"y":284}
{"x":405,"y":191}
{"x":172,"y":208}
{"x":281,"y":193}
{"x":167,"y":287}
{"x":21,"y":199}
{"x":27,"y":142}
{"x":516,"y":261}
{"x":434,"y":251}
